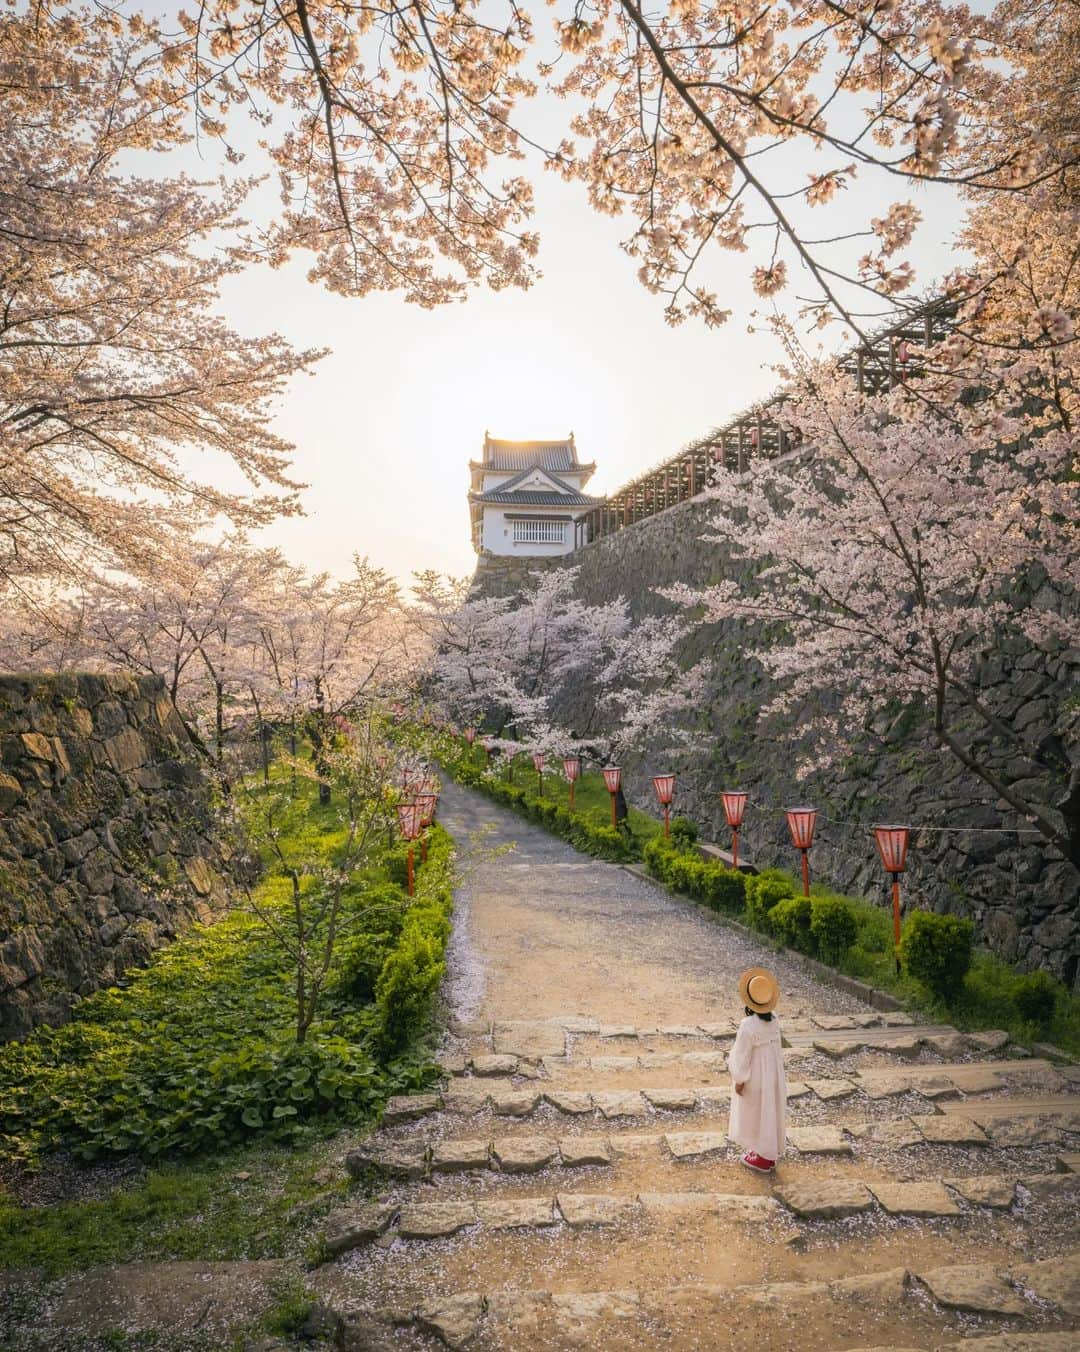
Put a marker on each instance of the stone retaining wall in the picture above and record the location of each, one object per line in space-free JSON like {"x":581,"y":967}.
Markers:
{"x":1023,"y":896}
{"x":107,"y":846}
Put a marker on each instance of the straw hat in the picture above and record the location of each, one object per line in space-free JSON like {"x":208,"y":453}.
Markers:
{"x":758,"y":990}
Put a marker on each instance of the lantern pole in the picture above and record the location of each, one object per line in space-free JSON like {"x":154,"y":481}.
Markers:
{"x":613,"y":779}
{"x":801,"y":822}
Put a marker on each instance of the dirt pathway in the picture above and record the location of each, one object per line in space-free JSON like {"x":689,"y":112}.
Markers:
{"x":544,"y":931}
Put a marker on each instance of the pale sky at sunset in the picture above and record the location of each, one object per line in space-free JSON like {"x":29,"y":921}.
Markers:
{"x":385,"y":427}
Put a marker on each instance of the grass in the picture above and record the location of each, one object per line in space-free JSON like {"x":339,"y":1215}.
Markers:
{"x":184,"y":1209}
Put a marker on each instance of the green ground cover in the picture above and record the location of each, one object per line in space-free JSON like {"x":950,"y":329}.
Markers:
{"x":259,"y":1200}
{"x":197,"y":1054}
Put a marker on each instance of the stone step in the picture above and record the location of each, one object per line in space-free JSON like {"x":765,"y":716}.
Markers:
{"x":878,"y":1068}
{"x":517,"y":1098}
{"x":924,"y":1305}
{"x":722,"y":1024}
{"x":413,"y":1157}
{"x":793,"y":1203}
{"x":526,"y":1053}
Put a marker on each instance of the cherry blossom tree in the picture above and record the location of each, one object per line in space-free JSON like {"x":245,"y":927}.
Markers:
{"x":116,"y":372}
{"x":311,"y":904}
{"x":912,"y":535}
{"x":731,"y":126}
{"x":197,"y":627}
{"x":331,"y":649}
{"x":518,"y":664}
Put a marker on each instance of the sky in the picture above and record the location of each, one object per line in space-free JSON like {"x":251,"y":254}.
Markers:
{"x":386,"y":425}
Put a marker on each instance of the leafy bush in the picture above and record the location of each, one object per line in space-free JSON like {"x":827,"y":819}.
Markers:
{"x":725,"y":888}
{"x":1035,"y":996}
{"x":789,"y":920}
{"x":763,"y":891}
{"x":683,"y":831}
{"x":833,"y":926}
{"x":407,"y":985}
{"x":684,"y":870}
{"x":936,"y":951}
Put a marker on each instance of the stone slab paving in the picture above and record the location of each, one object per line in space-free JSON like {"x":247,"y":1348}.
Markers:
{"x":810,"y":1200}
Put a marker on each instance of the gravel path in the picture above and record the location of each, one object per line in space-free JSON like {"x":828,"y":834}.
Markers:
{"x":543,"y":931}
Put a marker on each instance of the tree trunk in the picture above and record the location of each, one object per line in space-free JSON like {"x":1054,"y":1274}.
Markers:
{"x":320,"y":741}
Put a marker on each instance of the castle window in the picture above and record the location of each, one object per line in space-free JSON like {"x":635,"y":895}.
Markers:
{"x":539,"y":532}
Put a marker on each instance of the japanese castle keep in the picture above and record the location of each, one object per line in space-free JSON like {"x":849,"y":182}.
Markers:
{"x":526,"y":499}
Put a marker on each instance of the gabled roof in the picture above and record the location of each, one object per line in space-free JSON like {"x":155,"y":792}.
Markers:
{"x":559,"y":493}
{"x":529,"y":472}
{"x":522,"y":498}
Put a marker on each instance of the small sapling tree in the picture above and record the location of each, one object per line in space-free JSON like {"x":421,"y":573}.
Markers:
{"x":310,"y":863}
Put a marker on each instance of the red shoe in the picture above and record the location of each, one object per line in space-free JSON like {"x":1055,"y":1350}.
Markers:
{"x":760,"y":1165}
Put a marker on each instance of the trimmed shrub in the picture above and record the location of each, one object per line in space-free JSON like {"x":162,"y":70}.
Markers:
{"x":721,"y":888}
{"x":936,"y":951}
{"x":724,"y":888}
{"x":1035,"y":996}
{"x":789,"y":920}
{"x":833,"y":926}
{"x":683,"y":831}
{"x":762,"y":893}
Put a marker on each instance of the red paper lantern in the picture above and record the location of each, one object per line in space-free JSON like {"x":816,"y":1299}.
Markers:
{"x":734,"y":807}
{"x":664,"y":788}
{"x":426,"y":802}
{"x":902,"y":352}
{"x":801,"y":822}
{"x":409,"y":819}
{"x":892,"y":843}
{"x":571,"y":769}
{"x":538,"y":762}
{"x":470,"y":735}
{"x":613,"y":779}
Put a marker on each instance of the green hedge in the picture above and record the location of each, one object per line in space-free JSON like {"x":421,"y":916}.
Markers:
{"x":936,"y":950}
{"x":720,"y":888}
{"x":409,"y":979}
{"x":603,"y":842}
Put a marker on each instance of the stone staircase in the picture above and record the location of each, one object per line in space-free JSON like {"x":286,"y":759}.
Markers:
{"x":572,"y":1187}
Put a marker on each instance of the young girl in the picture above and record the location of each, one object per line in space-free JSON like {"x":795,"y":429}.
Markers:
{"x":758,"y":1086}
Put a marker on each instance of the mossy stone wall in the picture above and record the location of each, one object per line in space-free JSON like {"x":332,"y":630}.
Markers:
{"x":107,"y":845}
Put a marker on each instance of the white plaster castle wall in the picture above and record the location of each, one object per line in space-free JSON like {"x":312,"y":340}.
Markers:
{"x":498,"y":536}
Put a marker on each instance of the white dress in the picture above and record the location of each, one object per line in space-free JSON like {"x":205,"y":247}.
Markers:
{"x":759,"y":1113}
